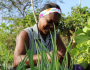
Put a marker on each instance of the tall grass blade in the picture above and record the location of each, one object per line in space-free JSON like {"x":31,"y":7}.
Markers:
{"x":38,"y":62}
{"x":2,"y":67}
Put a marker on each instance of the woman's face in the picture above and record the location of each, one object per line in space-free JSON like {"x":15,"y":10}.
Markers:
{"x":46,"y":23}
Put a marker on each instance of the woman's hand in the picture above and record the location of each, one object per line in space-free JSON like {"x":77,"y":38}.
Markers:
{"x":60,"y":56}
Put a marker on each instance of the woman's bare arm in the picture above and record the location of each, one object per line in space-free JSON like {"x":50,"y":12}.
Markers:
{"x":20,"y":50}
{"x":61,"y":50}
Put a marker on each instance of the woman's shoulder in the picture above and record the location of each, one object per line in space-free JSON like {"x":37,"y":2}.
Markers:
{"x":27,"y":32}
{"x":22,"y":35}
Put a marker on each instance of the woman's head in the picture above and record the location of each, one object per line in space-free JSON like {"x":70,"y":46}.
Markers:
{"x":49,"y":8}
{"x":47,"y":20}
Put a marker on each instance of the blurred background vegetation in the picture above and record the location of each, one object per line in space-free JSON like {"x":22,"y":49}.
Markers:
{"x":16,"y":15}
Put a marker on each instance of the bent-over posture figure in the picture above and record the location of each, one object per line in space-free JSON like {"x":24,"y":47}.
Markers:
{"x":49,"y":16}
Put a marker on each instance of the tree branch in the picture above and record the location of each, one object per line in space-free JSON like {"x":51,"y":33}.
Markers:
{"x":33,"y":11}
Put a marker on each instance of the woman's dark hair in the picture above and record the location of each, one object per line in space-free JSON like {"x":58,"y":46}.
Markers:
{"x":50,"y":5}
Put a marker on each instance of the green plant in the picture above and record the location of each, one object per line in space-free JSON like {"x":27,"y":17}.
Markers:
{"x":81,"y":53}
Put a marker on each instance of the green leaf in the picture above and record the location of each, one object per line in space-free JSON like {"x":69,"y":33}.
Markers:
{"x":74,"y":52}
{"x":88,"y":42}
{"x":81,"y":38}
{"x":88,"y":49}
{"x":86,"y":30}
{"x":78,"y":32}
{"x":84,"y":64}
{"x":88,"y":22}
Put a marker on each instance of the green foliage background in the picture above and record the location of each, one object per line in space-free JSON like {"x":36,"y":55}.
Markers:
{"x":8,"y":35}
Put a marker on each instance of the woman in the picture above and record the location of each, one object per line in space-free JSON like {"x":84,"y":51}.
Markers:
{"x":49,"y":16}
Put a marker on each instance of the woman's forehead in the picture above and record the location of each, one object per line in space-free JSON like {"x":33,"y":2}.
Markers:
{"x":52,"y":16}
